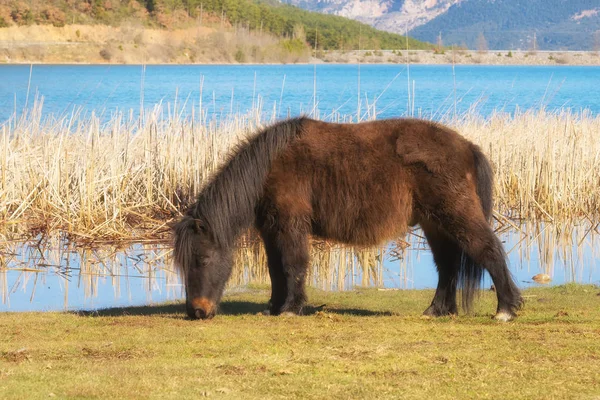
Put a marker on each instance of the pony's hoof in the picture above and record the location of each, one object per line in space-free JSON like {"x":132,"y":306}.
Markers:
{"x":504,"y":316}
{"x":433,"y":311}
{"x":288,"y":314}
{"x":265,"y":312}
{"x":430,"y":312}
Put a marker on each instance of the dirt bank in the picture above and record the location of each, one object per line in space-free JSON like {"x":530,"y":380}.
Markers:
{"x":135,"y":44}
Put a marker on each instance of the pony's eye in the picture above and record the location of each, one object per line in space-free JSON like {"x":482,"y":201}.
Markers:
{"x":200,"y":226}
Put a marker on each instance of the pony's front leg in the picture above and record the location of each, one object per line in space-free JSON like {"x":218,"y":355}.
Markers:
{"x":278,"y":281}
{"x":287,"y":256}
{"x":295,"y":259}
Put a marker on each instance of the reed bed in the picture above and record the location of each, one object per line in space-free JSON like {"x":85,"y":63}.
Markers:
{"x":547,"y":164}
{"x":100,"y":180}
{"x":126,"y":177}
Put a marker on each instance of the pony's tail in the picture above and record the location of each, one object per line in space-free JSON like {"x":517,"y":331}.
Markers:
{"x":485,"y":181}
{"x":184,"y":242}
{"x":471,"y":274}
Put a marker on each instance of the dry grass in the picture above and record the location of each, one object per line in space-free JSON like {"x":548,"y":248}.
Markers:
{"x":101,"y":179}
{"x":363,"y":344}
{"x":547,"y":165}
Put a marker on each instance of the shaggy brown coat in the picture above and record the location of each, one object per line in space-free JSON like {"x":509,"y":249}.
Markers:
{"x":358,"y":184}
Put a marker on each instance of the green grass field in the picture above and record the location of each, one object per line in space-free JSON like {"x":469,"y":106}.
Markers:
{"x":360,"y":344}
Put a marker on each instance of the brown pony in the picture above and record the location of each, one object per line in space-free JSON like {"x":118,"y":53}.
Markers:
{"x":359,"y":184}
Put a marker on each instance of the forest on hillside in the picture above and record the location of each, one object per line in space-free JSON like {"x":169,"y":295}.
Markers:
{"x":299,"y":26}
{"x":518,"y":24}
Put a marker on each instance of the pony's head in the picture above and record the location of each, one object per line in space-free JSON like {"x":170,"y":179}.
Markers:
{"x":205,"y":267}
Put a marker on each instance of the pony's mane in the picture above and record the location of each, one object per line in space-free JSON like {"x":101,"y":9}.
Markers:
{"x":227,"y":203}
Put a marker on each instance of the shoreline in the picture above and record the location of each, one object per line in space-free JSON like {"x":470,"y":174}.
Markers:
{"x":428,"y":61}
{"x":318,"y":62}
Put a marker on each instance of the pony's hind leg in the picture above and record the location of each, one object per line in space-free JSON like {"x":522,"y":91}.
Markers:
{"x":475,"y":236}
{"x":446,"y":254}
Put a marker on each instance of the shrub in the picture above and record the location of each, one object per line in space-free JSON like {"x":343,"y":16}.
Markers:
{"x":240,"y":56}
{"x":255,"y":53}
{"x":5,"y":17}
{"x":138,"y":39}
{"x":294,"y":46}
{"x":509,"y":54}
{"x":22,"y":15}
{"x":54,"y":16}
{"x":561,"y":59}
{"x":106,"y":54}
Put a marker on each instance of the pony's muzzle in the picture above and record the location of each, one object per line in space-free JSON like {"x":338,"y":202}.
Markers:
{"x":200,"y":314}
{"x":201,"y":308}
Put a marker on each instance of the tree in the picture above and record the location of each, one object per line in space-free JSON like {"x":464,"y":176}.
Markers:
{"x":299,"y":32}
{"x":482,"y":45}
{"x":534,"y":45}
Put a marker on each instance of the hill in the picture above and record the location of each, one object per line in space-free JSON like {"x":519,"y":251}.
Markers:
{"x":300,"y":27}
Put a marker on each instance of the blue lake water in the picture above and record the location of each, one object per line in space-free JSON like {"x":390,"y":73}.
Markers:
{"x":291,"y":89}
{"x":60,"y":279}
{"x":57,"y":277}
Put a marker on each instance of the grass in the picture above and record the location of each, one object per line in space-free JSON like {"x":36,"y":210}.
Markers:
{"x":360,"y":344}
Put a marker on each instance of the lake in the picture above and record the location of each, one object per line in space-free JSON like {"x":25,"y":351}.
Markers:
{"x":55,"y":275}
{"x":52,"y":274}
{"x":291,"y":89}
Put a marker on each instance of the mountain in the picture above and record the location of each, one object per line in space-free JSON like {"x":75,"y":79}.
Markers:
{"x":518,"y":24}
{"x":495,"y":24}
{"x":390,"y":15}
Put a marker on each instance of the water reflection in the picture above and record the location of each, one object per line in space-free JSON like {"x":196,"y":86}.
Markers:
{"x":567,"y":253}
{"x":55,"y":274}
